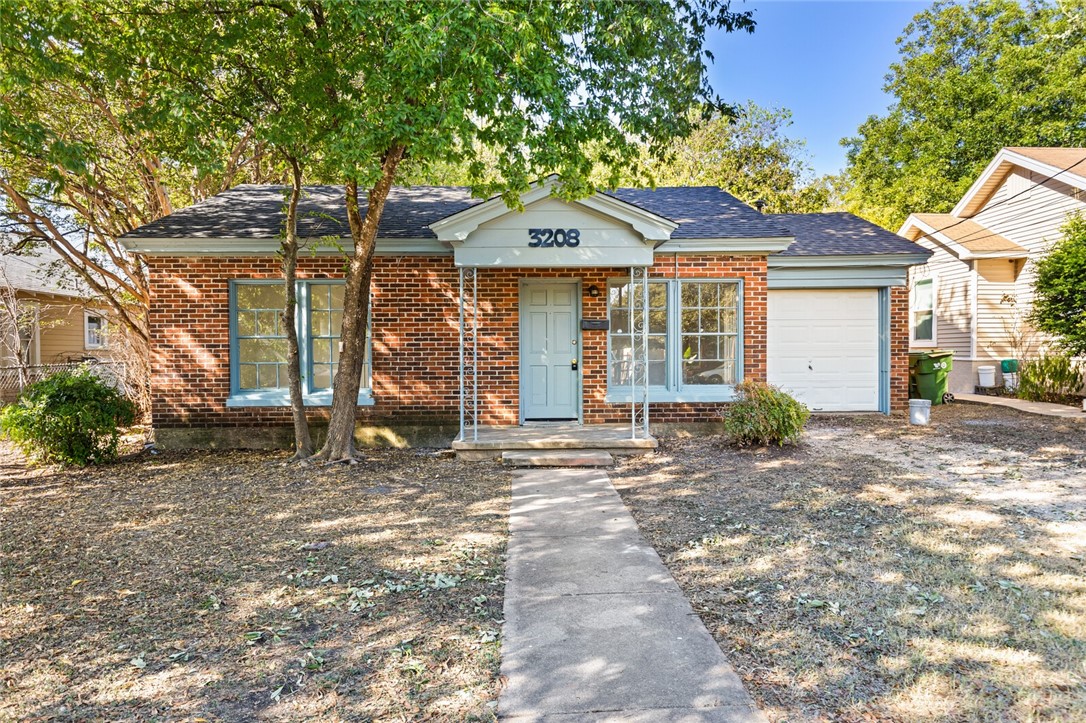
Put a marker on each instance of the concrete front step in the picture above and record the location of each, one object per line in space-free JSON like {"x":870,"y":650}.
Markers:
{"x":558,"y":458}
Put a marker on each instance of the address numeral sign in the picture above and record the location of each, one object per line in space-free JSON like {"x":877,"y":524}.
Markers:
{"x":547,"y":238}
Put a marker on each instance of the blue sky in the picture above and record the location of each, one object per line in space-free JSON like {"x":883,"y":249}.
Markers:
{"x":824,"y":61}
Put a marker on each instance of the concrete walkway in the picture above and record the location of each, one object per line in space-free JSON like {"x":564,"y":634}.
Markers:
{"x":595,"y":627}
{"x":1044,"y":408}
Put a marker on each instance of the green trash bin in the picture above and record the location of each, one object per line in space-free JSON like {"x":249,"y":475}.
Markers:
{"x":929,"y":372}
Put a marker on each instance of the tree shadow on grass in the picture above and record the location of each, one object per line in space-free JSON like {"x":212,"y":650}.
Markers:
{"x":231,"y":586}
{"x":848,"y":587}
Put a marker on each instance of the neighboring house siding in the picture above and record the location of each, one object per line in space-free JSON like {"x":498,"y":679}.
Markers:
{"x":1030,"y":212}
{"x":953,"y":306}
{"x":61,"y":333}
{"x":995,"y":316}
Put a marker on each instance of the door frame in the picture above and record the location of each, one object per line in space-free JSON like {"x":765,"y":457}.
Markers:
{"x":524,"y":285}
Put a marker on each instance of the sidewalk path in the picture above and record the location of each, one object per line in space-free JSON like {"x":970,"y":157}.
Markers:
{"x":595,"y":627}
{"x":1049,"y":410}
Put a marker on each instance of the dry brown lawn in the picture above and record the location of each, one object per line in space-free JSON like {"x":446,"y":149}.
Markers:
{"x":236,"y":587}
{"x":886,"y":572}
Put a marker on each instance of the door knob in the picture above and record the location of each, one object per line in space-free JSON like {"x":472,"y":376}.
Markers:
{"x":573,"y":365}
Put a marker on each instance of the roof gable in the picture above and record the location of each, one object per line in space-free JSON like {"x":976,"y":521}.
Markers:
{"x":963,"y":237}
{"x":458,"y":226}
{"x":1066,"y":164}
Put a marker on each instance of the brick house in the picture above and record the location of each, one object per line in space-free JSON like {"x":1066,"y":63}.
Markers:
{"x":621,"y":308}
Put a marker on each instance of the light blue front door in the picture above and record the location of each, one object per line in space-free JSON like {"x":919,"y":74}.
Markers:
{"x":549,"y":351}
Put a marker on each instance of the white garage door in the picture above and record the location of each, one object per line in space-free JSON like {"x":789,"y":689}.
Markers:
{"x":823,"y":347}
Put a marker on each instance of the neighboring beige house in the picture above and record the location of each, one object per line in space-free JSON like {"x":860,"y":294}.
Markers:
{"x":973,"y":294}
{"x":43,"y":323}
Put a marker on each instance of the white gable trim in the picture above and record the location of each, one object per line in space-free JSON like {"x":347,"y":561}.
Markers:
{"x":459,"y":226}
{"x":912,"y":223}
{"x":1004,"y":161}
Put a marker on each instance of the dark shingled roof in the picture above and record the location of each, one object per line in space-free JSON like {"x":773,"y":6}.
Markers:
{"x":841,"y":234}
{"x":256,"y":211}
{"x":703,"y":212}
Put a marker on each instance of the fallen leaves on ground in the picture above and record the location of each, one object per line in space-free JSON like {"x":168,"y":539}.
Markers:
{"x":237,"y":586}
{"x":882,"y":572}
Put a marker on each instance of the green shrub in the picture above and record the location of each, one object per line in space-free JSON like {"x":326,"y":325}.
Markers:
{"x":762,"y":414}
{"x":1050,"y":378}
{"x":69,"y":418}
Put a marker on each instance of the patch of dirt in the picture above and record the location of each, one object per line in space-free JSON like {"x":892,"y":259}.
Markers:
{"x":886,"y":572}
{"x":236,"y":586}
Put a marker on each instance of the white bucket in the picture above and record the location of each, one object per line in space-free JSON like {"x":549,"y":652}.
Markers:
{"x":987,"y":376}
{"x":1010,"y":381}
{"x":919,"y":411}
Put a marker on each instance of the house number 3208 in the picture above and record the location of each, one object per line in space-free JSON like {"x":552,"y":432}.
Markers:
{"x":546,"y":238}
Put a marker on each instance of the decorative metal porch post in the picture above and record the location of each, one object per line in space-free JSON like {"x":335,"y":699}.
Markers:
{"x":639,"y":352}
{"x":469,"y":354}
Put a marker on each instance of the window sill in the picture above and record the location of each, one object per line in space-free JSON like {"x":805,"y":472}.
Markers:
{"x":686,"y":396}
{"x":281,"y":398}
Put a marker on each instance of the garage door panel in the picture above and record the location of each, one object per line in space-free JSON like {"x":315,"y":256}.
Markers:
{"x":823,"y":347}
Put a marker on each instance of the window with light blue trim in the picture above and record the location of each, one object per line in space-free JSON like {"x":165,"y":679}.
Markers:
{"x":695,"y":339}
{"x":258,"y":343}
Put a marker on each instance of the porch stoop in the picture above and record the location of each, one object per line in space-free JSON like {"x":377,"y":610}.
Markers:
{"x":612,"y":439}
{"x":558,"y":458}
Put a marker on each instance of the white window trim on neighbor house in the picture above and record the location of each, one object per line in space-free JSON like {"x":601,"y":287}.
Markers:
{"x":674,"y":389}
{"x":914,"y":310}
{"x":95,"y":337}
{"x":280,"y":396}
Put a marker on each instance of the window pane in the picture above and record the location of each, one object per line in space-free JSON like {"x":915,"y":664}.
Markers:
{"x":336,"y":293}
{"x":246,"y":323}
{"x":923,"y":322}
{"x":318,"y":296}
{"x":247,"y":373}
{"x":709,"y":332}
{"x":729,"y":321}
{"x":620,"y":365}
{"x":322,"y":351}
{"x":260,"y":296}
{"x":318,"y":323}
{"x":262,"y":350}
{"x":267,"y":323}
{"x":322,"y":376}
{"x":922,"y":295}
{"x":657,"y":322}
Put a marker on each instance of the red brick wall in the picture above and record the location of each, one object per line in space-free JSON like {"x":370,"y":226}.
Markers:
{"x":899,"y":348}
{"x":415,"y":337}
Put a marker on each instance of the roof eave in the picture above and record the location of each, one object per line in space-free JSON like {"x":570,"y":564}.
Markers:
{"x":844,"y":260}
{"x":191,"y":246}
{"x":765,"y":245}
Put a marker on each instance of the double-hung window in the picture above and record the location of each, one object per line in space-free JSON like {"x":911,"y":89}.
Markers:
{"x":695,"y":349}
{"x":94,"y":331}
{"x":258,"y":343}
{"x":922,"y":314}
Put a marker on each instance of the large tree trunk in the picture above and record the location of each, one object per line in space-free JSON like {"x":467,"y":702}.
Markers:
{"x":303,"y":443}
{"x":339,"y":446}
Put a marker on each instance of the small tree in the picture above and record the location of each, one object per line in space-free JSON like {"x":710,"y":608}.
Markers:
{"x":1059,"y":302}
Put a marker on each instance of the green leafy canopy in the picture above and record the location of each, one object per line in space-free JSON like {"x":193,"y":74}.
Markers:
{"x":540,"y":85}
{"x":1059,"y":302}
{"x":971,"y":79}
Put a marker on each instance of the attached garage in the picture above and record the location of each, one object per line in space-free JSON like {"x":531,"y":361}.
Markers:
{"x":837,"y":313}
{"x":823,"y":347}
